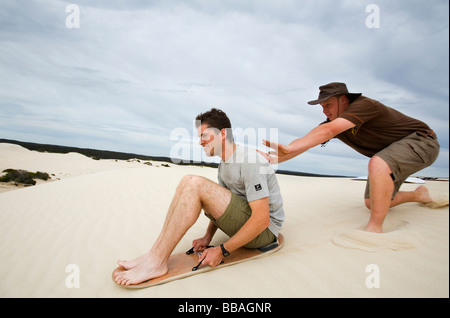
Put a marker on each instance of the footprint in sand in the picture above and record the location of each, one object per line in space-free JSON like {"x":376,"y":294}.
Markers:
{"x":396,"y":236}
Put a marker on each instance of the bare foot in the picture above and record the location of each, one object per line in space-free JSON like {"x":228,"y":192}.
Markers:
{"x":423,"y":195}
{"x":426,"y":200}
{"x":130,"y":264}
{"x":140,"y":273}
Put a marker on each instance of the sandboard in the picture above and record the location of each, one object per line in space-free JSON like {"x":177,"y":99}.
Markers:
{"x":181,"y":265}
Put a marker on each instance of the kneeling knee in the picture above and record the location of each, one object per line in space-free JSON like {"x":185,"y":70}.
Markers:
{"x":377,"y":165}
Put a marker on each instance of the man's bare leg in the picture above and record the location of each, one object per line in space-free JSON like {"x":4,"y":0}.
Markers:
{"x":180,"y":188}
{"x":192,"y":194}
{"x":381,"y":189}
{"x":420,"y":195}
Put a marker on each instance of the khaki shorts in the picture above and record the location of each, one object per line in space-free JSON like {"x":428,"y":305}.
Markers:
{"x":235,"y":216}
{"x":407,"y":156}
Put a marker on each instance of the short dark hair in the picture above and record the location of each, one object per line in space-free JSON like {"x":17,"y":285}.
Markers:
{"x":215,"y":118}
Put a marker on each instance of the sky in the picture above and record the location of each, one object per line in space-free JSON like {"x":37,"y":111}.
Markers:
{"x":131,"y":76}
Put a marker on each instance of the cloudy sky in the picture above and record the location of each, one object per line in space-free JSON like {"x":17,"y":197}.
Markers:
{"x":132,"y":75}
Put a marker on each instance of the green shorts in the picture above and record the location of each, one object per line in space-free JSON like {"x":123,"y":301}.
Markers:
{"x":235,"y":216}
{"x":407,"y":156}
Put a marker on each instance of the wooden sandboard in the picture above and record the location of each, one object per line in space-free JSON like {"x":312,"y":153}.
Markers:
{"x":181,"y":264}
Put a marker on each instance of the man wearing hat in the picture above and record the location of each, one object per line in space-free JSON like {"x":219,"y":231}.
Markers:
{"x":398,"y":146}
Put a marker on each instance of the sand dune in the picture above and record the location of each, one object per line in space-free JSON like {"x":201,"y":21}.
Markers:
{"x":62,"y":238}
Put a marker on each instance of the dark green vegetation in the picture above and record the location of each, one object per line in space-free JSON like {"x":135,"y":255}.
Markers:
{"x":23,"y":177}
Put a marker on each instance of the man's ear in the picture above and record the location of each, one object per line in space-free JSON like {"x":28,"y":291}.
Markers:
{"x":343,"y":99}
{"x":224,"y":133}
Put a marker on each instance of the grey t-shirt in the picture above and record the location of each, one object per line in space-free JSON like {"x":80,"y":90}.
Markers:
{"x":249,"y":175}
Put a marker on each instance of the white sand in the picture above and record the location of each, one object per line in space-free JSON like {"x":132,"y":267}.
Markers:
{"x":104,"y":210}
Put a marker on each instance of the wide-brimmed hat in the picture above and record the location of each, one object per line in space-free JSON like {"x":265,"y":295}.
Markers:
{"x":333,"y":89}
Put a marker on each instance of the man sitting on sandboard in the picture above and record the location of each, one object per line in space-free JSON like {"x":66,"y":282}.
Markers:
{"x":238,"y":205}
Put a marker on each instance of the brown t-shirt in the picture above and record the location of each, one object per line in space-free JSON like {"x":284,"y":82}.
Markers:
{"x":377,"y":126}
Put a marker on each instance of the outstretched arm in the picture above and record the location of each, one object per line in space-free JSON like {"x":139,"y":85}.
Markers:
{"x":317,"y":136}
